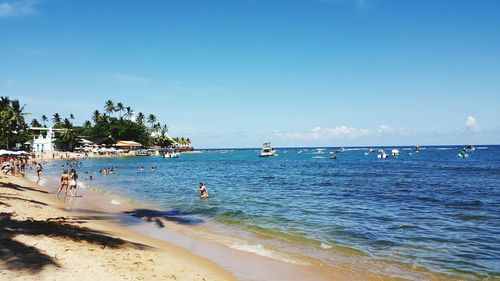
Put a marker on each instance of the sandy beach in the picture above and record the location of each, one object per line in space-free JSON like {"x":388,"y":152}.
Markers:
{"x":40,"y":240}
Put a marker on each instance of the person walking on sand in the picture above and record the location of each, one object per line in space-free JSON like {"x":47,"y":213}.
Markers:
{"x":64,"y":183}
{"x":203,"y":191}
{"x":73,"y":176}
{"x":39,"y":169}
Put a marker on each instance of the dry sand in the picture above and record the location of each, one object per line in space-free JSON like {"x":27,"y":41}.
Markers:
{"x":39,"y":240}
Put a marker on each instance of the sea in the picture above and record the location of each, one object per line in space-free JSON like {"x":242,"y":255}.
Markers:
{"x":429,"y":212}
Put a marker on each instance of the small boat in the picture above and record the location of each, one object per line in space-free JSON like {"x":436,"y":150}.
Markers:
{"x":463,"y":154}
{"x":141,"y":152}
{"x":416,"y":149}
{"x":170,"y":155}
{"x":395,"y":152}
{"x":382,"y":154}
{"x":267,"y":150}
{"x":320,"y":151}
{"x":333,"y":156}
{"x":469,"y":148}
{"x":340,"y":150}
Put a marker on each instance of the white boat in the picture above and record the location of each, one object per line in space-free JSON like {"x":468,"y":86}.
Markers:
{"x":171,"y":155}
{"x":469,"y":148}
{"x":141,"y":152}
{"x":267,"y":150}
{"x":320,"y":151}
{"x":395,"y":152}
{"x":382,"y":154}
{"x":340,"y":150}
{"x":416,"y":149}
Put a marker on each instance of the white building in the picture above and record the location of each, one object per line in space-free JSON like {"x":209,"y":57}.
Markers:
{"x":44,"y":144}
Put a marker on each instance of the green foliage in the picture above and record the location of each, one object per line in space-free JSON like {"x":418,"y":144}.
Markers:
{"x":12,"y":123}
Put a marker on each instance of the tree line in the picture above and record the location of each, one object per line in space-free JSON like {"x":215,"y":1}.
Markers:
{"x":115,"y":122}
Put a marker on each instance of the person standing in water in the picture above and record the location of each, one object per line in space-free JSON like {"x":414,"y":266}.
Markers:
{"x":64,"y":183}
{"x":39,"y":169}
{"x":203,"y":191}
{"x":73,"y":176}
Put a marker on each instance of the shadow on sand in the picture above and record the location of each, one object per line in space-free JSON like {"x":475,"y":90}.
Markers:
{"x":156,"y":216}
{"x":17,"y":256}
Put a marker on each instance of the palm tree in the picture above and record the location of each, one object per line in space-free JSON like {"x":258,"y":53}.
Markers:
{"x":44,"y":120}
{"x":87,"y":124}
{"x":12,"y":118}
{"x":96,"y":116}
{"x":109,"y":107}
{"x":18,"y":115}
{"x":68,"y":136}
{"x":56,"y":119}
{"x":35,"y":123}
{"x":151,"y":120}
{"x":140,"y":118}
{"x":129,"y":112}
{"x":119,"y":107}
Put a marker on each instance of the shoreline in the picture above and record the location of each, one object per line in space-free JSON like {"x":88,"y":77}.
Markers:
{"x":40,"y":238}
{"x":234,"y":261}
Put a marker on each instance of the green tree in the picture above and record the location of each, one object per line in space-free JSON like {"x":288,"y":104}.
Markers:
{"x":56,"y":119}
{"x":12,"y":122}
{"x":140,"y":118}
{"x":44,"y":120}
{"x":68,"y":138}
{"x":109,"y":107}
{"x":35,"y":123}
{"x":129,"y":112}
{"x":96,"y":116}
{"x":119,"y":108}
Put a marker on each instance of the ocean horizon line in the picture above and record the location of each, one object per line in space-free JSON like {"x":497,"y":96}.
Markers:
{"x":340,"y":146}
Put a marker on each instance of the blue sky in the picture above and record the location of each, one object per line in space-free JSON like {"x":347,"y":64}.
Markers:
{"x":238,"y":73}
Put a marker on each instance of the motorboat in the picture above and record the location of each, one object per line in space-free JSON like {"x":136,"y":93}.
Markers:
{"x":320,"y":151}
{"x":463,"y":154}
{"x":267,"y":150}
{"x":416,"y":149}
{"x":382,"y":154}
{"x":333,"y":156}
{"x":340,"y":150}
{"x":169,"y":155}
{"x":395,"y":152}
{"x":141,"y":152}
{"x":469,"y":148}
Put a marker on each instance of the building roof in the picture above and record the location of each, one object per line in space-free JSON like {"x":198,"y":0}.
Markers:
{"x":128,"y":143}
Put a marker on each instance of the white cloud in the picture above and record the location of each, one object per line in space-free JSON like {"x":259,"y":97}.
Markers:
{"x":339,"y":132}
{"x":128,"y":78}
{"x":17,"y":8}
{"x":385,"y":130}
{"x":471,"y":125}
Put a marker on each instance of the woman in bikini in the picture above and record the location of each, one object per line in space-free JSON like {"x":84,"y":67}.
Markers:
{"x":73,"y":176}
{"x":64,"y":183}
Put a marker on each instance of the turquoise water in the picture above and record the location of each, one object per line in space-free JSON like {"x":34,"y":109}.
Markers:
{"x":430,"y":209}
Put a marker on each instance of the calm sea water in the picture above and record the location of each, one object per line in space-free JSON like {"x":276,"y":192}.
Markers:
{"x":431,"y":209}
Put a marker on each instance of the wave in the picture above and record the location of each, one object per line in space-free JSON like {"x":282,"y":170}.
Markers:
{"x":265,"y":252}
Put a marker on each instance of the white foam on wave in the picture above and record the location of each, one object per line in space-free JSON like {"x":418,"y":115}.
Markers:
{"x":262,"y":251}
{"x":115,"y":202}
{"x":325,"y":246}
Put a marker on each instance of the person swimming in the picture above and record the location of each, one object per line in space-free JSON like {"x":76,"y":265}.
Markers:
{"x":203,"y":191}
